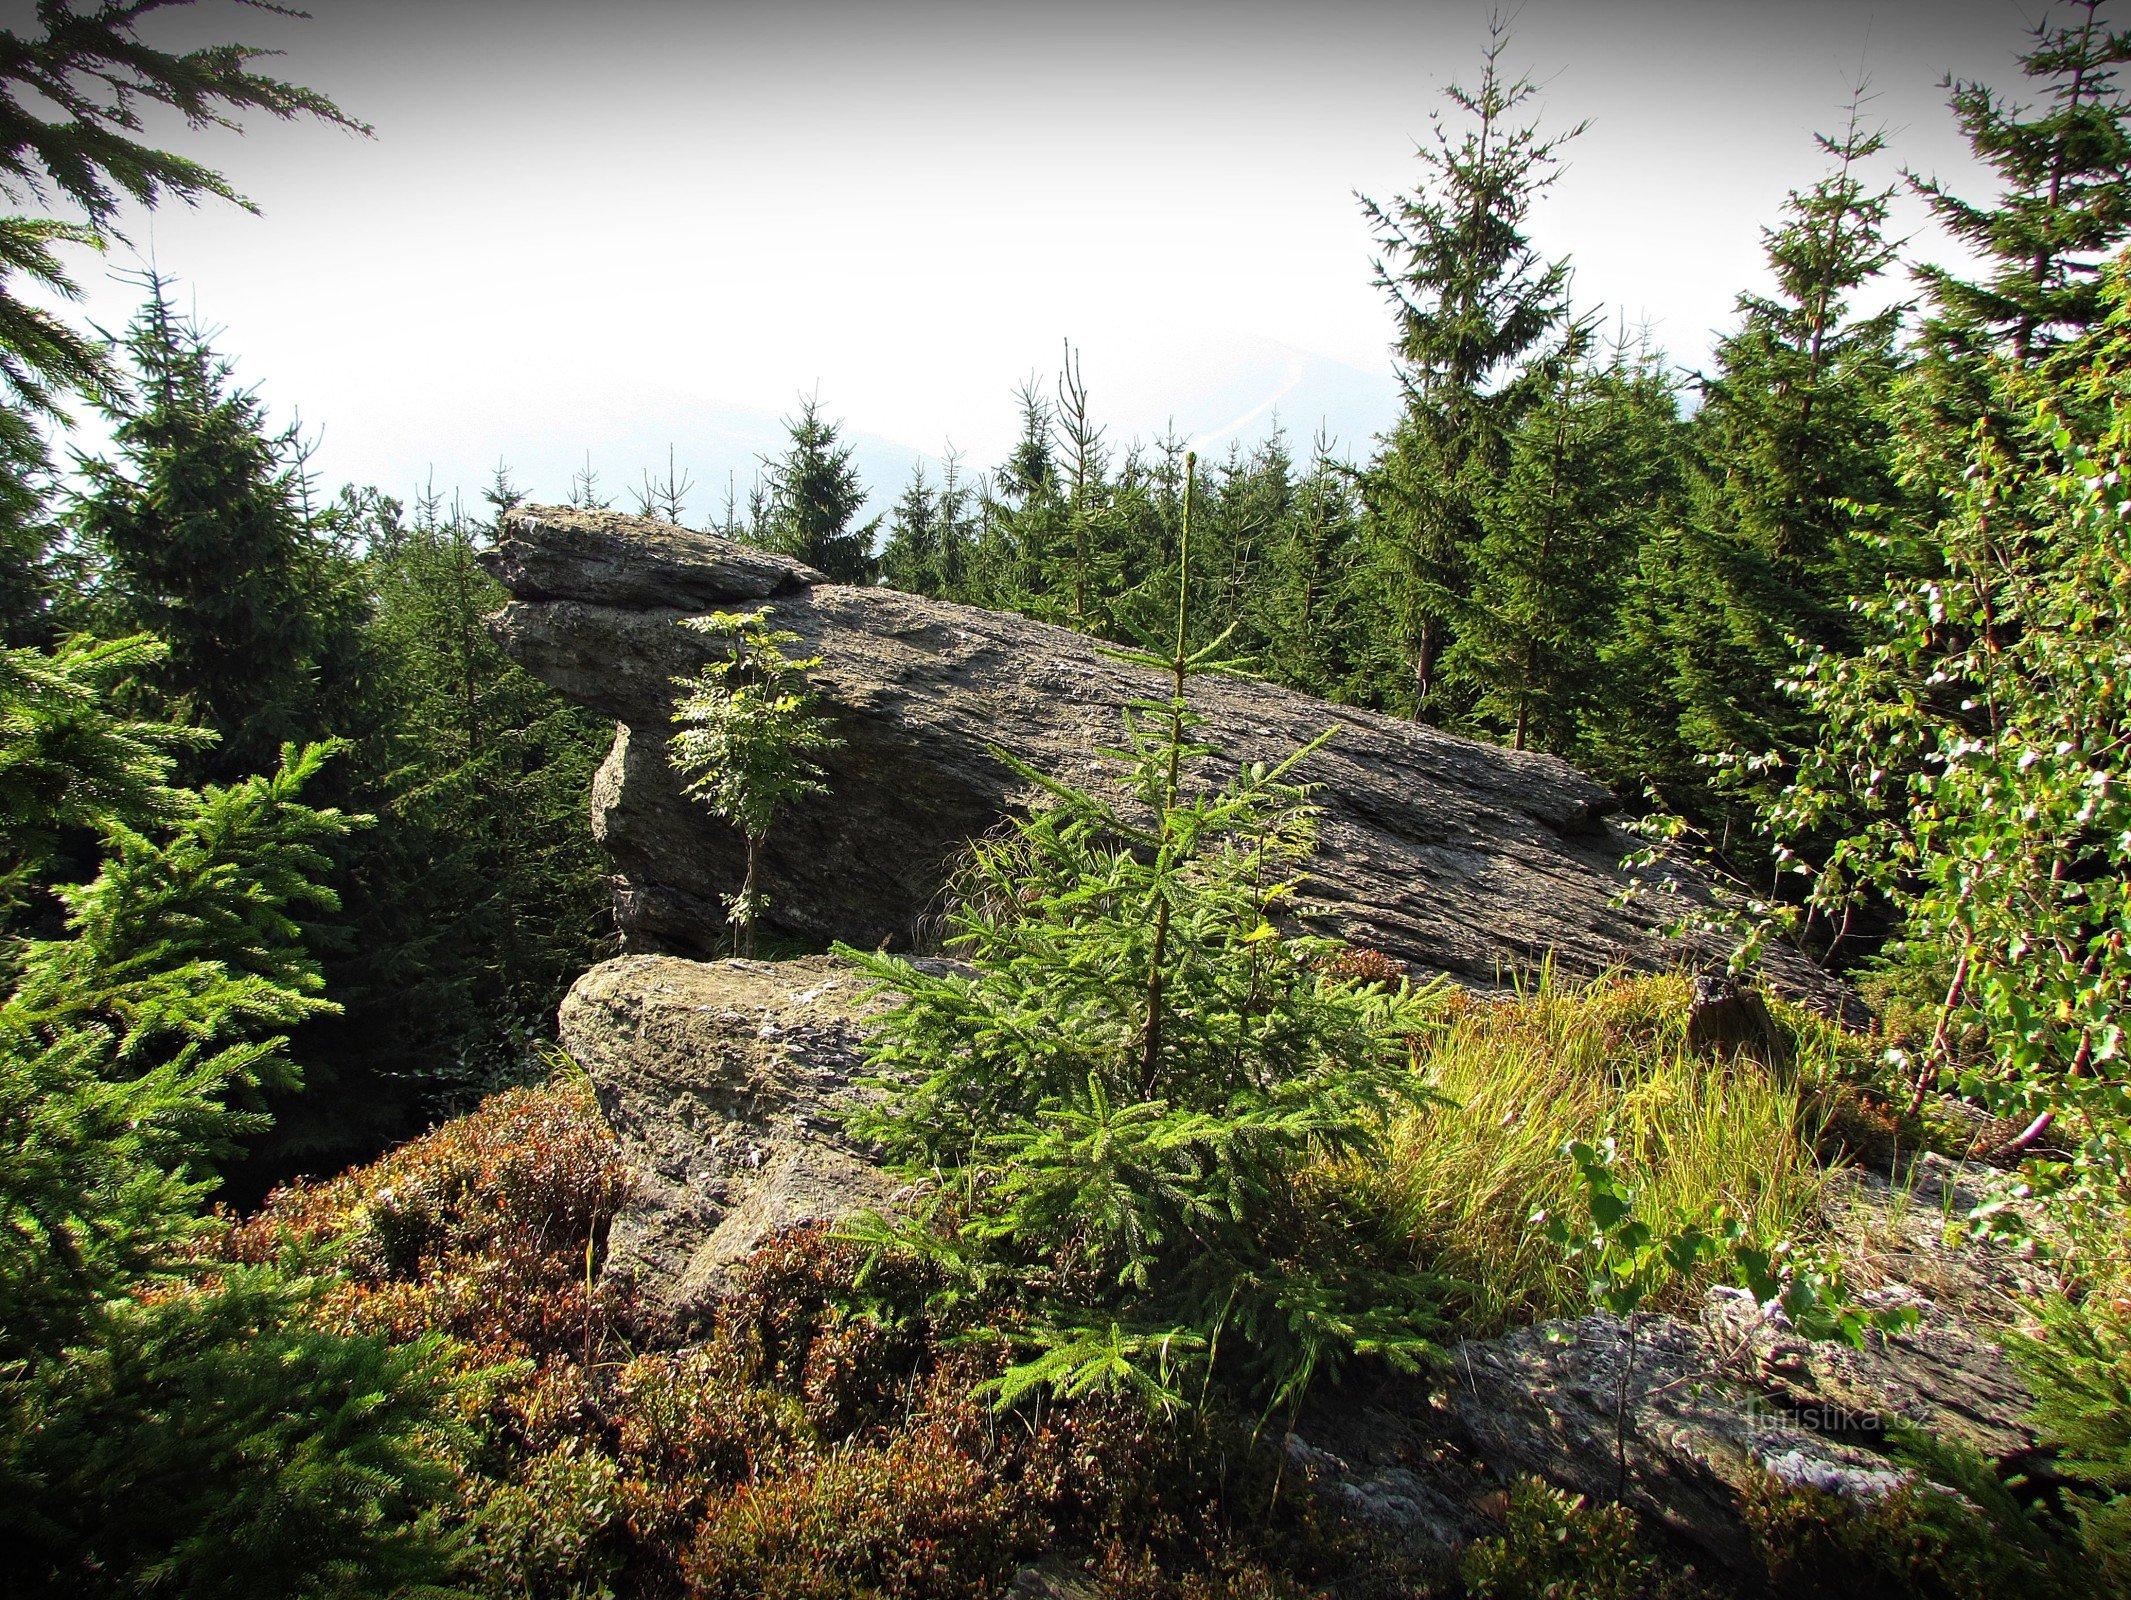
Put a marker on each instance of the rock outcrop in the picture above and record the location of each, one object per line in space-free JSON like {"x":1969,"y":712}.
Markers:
{"x":1455,"y":856}
{"x":725,"y":1082}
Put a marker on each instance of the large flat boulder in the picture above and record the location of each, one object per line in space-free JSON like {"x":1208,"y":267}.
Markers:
{"x":1453,"y":855}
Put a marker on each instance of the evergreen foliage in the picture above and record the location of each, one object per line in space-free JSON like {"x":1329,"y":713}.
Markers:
{"x":1590,"y":469}
{"x":2065,"y":205}
{"x":72,"y":764}
{"x":1792,"y":434}
{"x":1180,"y":1153}
{"x":1479,"y":310}
{"x":192,"y":1437}
{"x":210,"y":1443}
{"x":1127,"y":1094}
{"x":73,"y":93}
{"x":132,"y":1040}
{"x":814,"y":498}
{"x":478,"y":897}
{"x":202,"y":524}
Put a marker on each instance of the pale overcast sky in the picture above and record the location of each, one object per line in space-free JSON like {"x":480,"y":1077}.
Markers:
{"x":604,"y":227}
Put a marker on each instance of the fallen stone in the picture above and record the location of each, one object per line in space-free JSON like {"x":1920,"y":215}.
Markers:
{"x":1729,"y":1018}
{"x":1452,"y":855}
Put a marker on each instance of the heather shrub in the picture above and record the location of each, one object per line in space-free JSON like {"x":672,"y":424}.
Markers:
{"x":921,"y":1516}
{"x":1954,"y":1531}
{"x":830,"y":1436}
{"x":486,"y":1230}
{"x":551,"y":1531}
{"x":1556,"y":1546}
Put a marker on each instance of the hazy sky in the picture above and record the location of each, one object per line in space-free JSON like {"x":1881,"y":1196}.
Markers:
{"x":606,"y":226}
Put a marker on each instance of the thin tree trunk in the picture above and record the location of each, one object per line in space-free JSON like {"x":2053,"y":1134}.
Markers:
{"x":747,"y":897}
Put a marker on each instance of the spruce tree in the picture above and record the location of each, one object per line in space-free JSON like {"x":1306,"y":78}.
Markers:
{"x":479,"y":895}
{"x":1589,"y":471}
{"x":1307,"y":615}
{"x":1092,"y":567}
{"x":1792,"y":435}
{"x":2065,"y":167}
{"x":910,"y":560}
{"x":1476,"y":305}
{"x":1029,"y":558}
{"x":813,"y":499}
{"x":158,"y":1431}
{"x":665,"y":498}
{"x":200,"y":520}
{"x":1116,"y":1102}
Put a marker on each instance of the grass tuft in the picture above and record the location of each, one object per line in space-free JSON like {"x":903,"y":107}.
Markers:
{"x":1525,"y":1074}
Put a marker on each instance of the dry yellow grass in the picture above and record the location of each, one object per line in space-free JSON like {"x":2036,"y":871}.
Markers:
{"x":1525,"y":1075}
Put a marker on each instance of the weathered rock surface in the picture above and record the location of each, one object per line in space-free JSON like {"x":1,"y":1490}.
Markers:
{"x":1900,"y":1228}
{"x":1939,"y":1375}
{"x":1455,"y":856}
{"x":1671,"y":1431}
{"x":724,"y":1081}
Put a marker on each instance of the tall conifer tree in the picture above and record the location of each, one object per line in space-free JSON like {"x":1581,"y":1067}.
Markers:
{"x":1589,"y":471}
{"x":1476,"y":303}
{"x":2065,"y":167}
{"x":201,"y":521}
{"x":73,"y":88}
{"x":1793,"y":432}
{"x":1306,"y":619}
{"x":910,"y":560}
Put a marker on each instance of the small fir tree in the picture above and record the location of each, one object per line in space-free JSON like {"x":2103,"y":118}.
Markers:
{"x":1124,"y":1095}
{"x":665,"y":498}
{"x":911,"y":560}
{"x":812,"y":500}
{"x":157,"y":1432}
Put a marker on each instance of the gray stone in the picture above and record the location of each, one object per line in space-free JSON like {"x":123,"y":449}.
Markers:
{"x":1671,"y":1432}
{"x":1452,"y":855}
{"x":1938,"y":1375}
{"x":1905,"y":1230}
{"x":563,"y":554}
{"x":725,"y":1082}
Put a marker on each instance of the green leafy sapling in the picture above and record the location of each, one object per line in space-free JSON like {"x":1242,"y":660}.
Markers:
{"x":1625,"y":1261}
{"x":748,"y":734}
{"x":1125,"y":1096}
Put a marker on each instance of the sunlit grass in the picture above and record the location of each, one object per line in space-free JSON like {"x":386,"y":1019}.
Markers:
{"x":1526,"y":1074}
